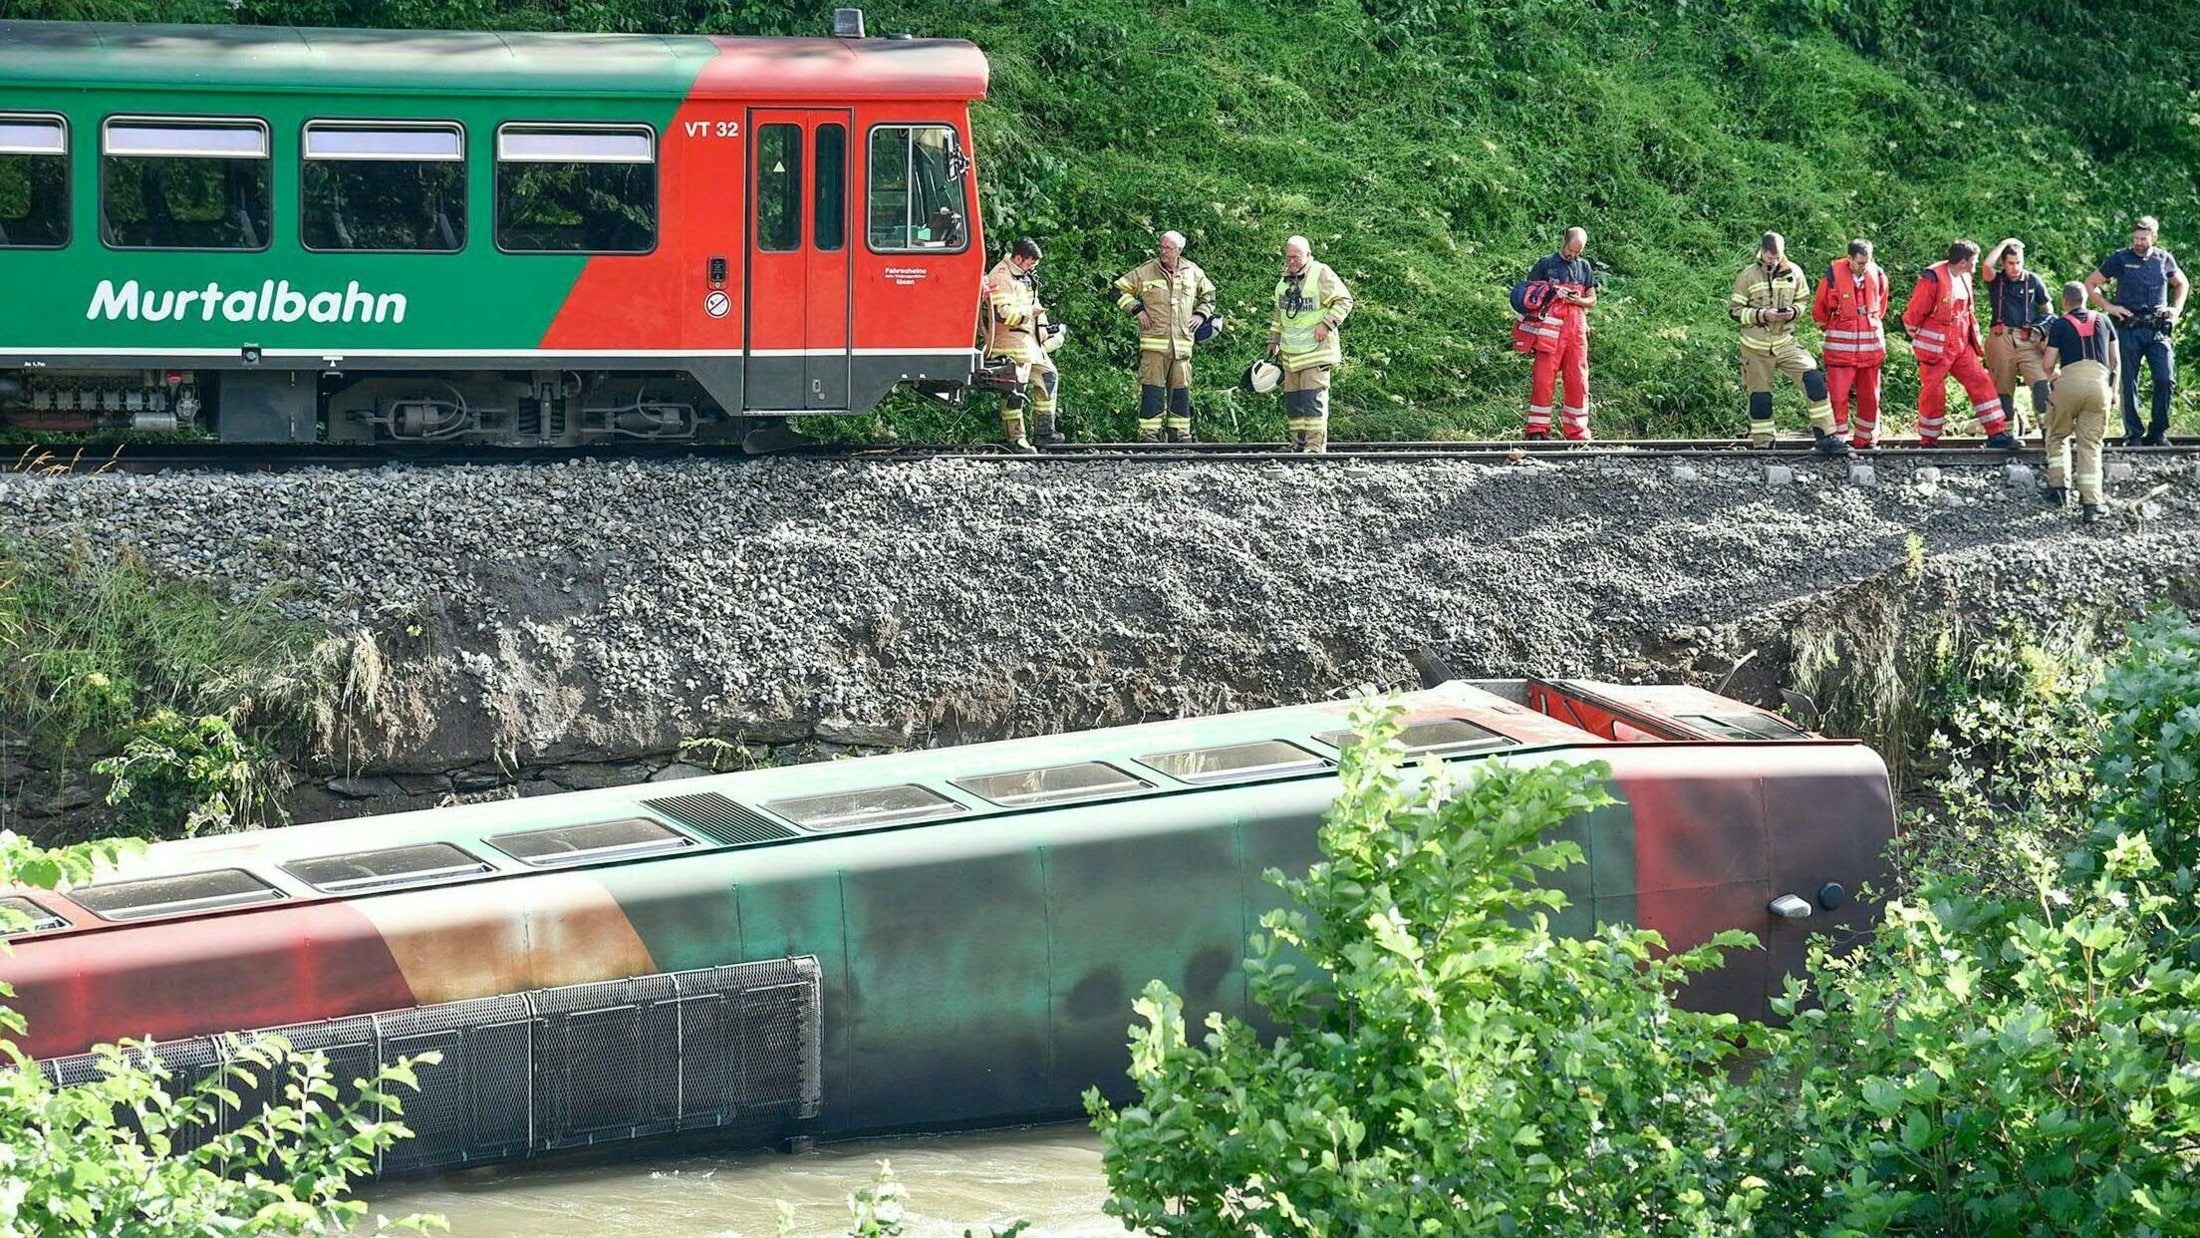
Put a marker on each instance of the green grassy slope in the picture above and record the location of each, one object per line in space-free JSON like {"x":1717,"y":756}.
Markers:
{"x":1432,"y":149}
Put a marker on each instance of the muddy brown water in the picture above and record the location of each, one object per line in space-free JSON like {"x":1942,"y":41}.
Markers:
{"x":1049,"y":1176}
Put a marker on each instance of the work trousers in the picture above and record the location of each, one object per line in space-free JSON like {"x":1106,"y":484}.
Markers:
{"x":2078,"y":412}
{"x":1565,"y":355}
{"x":1037,"y":381}
{"x":1761,"y":366}
{"x":2137,"y":344}
{"x":1962,"y":364}
{"x":1306,"y":407}
{"x":1861,"y":382}
{"x":1164,"y":383}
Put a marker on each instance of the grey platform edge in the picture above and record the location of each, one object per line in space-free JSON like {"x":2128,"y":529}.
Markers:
{"x":551,"y":1069}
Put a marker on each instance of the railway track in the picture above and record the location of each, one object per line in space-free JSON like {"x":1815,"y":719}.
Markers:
{"x":59,"y":458}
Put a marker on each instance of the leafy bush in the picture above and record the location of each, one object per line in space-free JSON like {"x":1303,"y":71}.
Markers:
{"x":1447,"y":1064}
{"x":178,"y":777}
{"x":113,"y":1156}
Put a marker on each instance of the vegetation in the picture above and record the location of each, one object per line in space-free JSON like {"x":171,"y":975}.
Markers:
{"x":167,"y":680}
{"x":2006,"y":1056}
{"x":1432,"y":149}
{"x":124,"y":1153}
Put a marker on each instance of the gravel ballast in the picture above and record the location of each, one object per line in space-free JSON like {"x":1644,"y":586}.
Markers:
{"x":599,"y":610}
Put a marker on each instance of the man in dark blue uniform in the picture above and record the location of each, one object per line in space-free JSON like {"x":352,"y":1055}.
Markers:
{"x":2150,"y":297}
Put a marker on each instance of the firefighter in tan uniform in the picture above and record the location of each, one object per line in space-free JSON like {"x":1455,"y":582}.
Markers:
{"x":1769,"y":296}
{"x":1305,"y":337}
{"x":1174,"y":303}
{"x":1015,"y":318}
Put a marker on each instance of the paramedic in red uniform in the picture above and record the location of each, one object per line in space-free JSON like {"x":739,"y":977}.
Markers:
{"x":1944,"y":334}
{"x":1562,"y":339}
{"x":1851,"y":309}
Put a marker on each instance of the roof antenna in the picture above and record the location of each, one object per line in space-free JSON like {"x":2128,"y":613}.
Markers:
{"x":847,"y":23}
{"x":1432,"y":668}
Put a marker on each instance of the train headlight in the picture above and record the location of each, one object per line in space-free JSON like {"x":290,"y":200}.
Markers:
{"x":1789,"y":907}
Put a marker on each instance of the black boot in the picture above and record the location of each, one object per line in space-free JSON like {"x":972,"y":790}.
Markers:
{"x":2056,"y":496}
{"x":2004,"y":441}
{"x":1830,"y":444}
{"x":1043,"y":431}
{"x":2090,"y":513}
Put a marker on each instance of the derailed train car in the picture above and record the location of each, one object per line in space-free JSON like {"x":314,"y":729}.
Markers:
{"x":924,"y":940}
{"x":375,"y":236}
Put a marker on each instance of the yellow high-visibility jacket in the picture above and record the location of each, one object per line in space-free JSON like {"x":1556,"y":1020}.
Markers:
{"x":1012,"y":306}
{"x":1758,"y":291}
{"x":1311,"y":298}
{"x":1173,"y":301}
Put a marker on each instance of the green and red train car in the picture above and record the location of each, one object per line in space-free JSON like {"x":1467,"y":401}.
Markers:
{"x":296,"y":235}
{"x":917,"y":941}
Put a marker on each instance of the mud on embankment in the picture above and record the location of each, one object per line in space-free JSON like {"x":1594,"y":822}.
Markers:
{"x":526,"y":629}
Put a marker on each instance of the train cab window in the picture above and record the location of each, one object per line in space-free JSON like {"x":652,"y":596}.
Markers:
{"x":576,"y":189}
{"x":1741,"y":726}
{"x":829,"y":230}
{"x":778,"y":188}
{"x":168,"y":896}
{"x":1438,"y":736}
{"x":1055,"y":784}
{"x":918,"y":190}
{"x":175,"y":183}
{"x":34,"y":182}
{"x":849,"y":810}
{"x":21,"y":915}
{"x":384,"y":869}
{"x":384,"y":186}
{"x":597,"y":840}
{"x":1266,"y":758}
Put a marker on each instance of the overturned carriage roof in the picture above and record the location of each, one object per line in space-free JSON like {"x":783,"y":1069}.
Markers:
{"x":114,"y":55}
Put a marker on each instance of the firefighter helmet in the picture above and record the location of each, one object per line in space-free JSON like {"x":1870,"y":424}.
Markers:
{"x":1206,"y":329}
{"x":1261,"y":377}
{"x":1532,"y":296}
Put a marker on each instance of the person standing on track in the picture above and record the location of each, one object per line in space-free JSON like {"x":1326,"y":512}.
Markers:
{"x":1014,"y":311}
{"x":1174,"y":303}
{"x":2083,"y":344}
{"x":1851,"y":308}
{"x":1561,"y":337}
{"x":1768,"y":296}
{"x":2017,"y":345}
{"x":1944,"y":334}
{"x":1306,"y":338}
{"x":2150,"y":298}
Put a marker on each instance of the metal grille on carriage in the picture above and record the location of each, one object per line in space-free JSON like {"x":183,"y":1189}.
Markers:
{"x":567,"y":1067}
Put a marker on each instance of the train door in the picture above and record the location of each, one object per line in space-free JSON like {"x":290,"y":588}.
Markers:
{"x":798,"y":329}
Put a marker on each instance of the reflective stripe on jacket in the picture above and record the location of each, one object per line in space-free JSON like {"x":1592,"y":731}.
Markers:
{"x":1012,"y":304}
{"x":1851,"y":312}
{"x":1757,"y":292}
{"x":1939,"y":315}
{"x":1305,"y":301}
{"x":1174,"y":302}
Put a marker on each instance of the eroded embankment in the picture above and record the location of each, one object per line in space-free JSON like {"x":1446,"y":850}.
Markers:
{"x":532,"y":628}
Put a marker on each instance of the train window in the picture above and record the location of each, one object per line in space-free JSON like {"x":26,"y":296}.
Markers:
{"x":847,"y":810}
{"x":1055,"y":784}
{"x":918,"y":191}
{"x":778,"y":188}
{"x":34,"y":182}
{"x":184,"y":184}
{"x":1742,"y":726}
{"x":830,"y":230}
{"x":1439,"y":736}
{"x":390,"y":866}
{"x":167,"y":896}
{"x":597,"y":840}
{"x":1264,"y":758}
{"x":384,"y":186}
{"x":576,"y":189}
{"x":21,"y":915}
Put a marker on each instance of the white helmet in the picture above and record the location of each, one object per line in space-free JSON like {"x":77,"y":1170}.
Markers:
{"x":1261,"y":377}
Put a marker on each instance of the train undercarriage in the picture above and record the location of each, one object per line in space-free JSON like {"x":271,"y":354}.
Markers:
{"x":542,"y":408}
